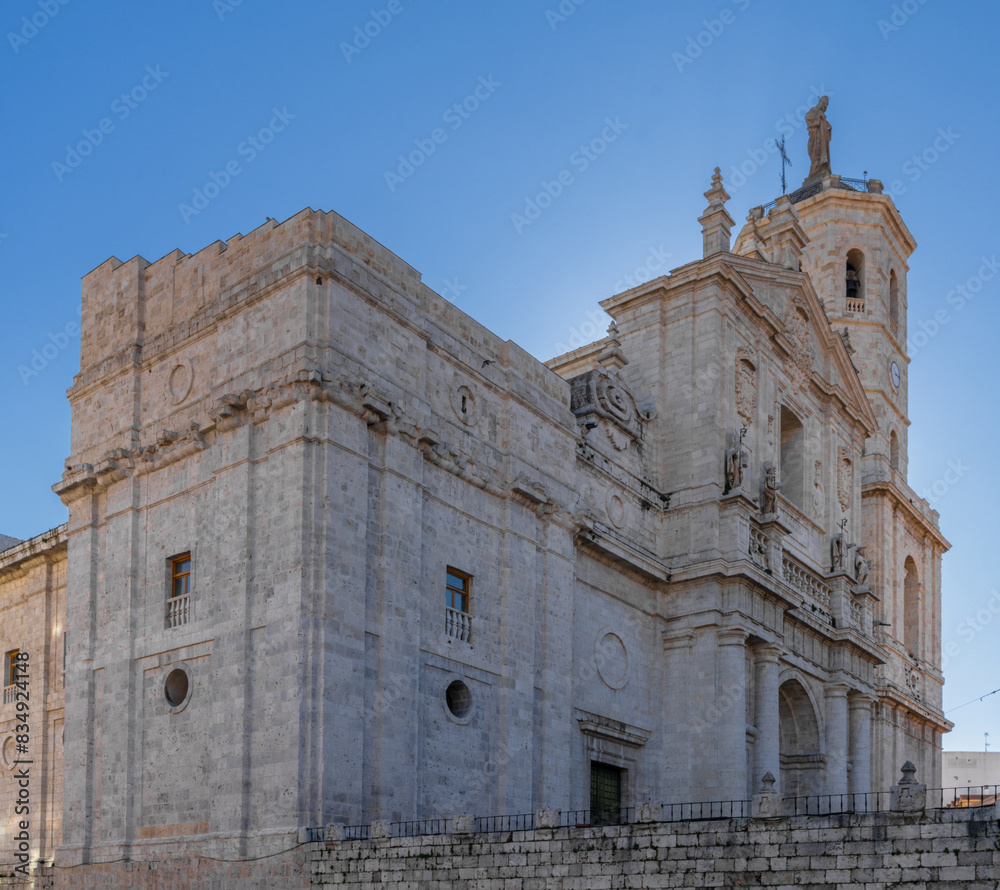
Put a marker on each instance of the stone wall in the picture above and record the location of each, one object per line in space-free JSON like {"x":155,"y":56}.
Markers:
{"x":32,"y":621}
{"x":939,"y":848}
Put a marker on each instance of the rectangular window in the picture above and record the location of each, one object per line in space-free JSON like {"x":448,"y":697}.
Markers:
{"x":180,"y":575}
{"x":457,"y":590}
{"x":605,"y":794}
{"x":10,"y":675}
{"x":179,"y":595}
{"x":458,"y":605}
{"x":10,"y":667}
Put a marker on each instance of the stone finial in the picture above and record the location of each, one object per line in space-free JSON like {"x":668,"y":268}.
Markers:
{"x":464,"y":823}
{"x":716,"y":194}
{"x":379,"y":830}
{"x":751,"y":241}
{"x":716,"y":223}
{"x":333,"y":834}
{"x":785,"y":236}
{"x":909,"y":796}
{"x":611,"y":356}
{"x":766,"y":803}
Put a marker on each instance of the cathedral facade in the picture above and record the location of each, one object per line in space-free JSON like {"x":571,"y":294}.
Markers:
{"x":337,"y":553}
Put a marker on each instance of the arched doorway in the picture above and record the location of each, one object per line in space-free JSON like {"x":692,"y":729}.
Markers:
{"x":801,"y":757}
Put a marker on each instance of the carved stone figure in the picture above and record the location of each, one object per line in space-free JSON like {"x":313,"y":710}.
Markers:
{"x":837,"y":553}
{"x":862,"y":566}
{"x":746,"y":385}
{"x":769,"y":500}
{"x":845,"y":480}
{"x":736,"y":460}
{"x":818,"y":490}
{"x":820,"y":132}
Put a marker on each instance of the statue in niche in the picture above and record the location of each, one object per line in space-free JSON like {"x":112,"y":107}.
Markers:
{"x":820,"y":133}
{"x":837,"y":548}
{"x":862,"y":566}
{"x":818,"y":490}
{"x":736,"y":460}
{"x":769,"y":500}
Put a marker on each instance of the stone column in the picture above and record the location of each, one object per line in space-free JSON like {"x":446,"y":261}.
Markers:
{"x":861,"y":743}
{"x":767,"y":749}
{"x":836,"y":738}
{"x":729,"y":715}
{"x":677,"y":716}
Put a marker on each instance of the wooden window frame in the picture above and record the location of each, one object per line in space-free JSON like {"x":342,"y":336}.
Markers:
{"x":10,"y":659}
{"x":176,"y":575}
{"x":452,"y":591}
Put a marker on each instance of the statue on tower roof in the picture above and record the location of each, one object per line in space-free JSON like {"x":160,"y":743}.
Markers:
{"x":819,"y":139}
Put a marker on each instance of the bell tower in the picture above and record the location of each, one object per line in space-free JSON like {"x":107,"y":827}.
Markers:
{"x":857,"y":260}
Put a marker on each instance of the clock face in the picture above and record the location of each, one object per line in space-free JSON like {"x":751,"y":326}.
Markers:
{"x":894,"y":374}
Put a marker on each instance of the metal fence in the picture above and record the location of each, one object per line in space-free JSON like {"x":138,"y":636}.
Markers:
{"x":698,"y":811}
{"x":962,"y":797}
{"x":704,"y":811}
{"x":836,"y":804}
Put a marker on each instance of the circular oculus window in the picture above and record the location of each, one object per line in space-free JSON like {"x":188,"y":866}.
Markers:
{"x":458,"y":700}
{"x":177,"y":688}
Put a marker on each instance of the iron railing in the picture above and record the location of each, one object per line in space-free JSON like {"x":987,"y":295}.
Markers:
{"x":704,"y":811}
{"x":962,"y":796}
{"x":492,"y":824}
{"x":968,"y":796}
{"x":837,"y":804}
{"x":857,"y":185}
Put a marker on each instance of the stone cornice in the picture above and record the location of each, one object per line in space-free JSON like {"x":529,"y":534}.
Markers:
{"x":901,"y":501}
{"x":603,"y":540}
{"x":48,"y":544}
{"x":886,"y":206}
{"x":899,"y":700}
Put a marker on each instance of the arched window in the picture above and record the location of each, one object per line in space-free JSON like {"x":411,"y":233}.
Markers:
{"x":798,"y":742}
{"x":894,"y":450}
{"x":854,"y":281}
{"x":792,"y":471}
{"x":893,"y":301}
{"x":911,"y":607}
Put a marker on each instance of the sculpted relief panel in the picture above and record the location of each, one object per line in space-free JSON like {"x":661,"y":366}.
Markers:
{"x":746,"y":384}
{"x":800,"y":338}
{"x":845,"y":479}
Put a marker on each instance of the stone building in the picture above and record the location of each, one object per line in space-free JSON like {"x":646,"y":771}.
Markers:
{"x":337,"y":553}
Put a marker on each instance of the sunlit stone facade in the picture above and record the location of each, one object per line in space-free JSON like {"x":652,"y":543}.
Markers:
{"x":338,"y":553}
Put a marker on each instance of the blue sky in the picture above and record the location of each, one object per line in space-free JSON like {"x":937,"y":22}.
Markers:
{"x":164,"y":95}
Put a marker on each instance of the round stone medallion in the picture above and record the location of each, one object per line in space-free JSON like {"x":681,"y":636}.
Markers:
{"x":181,"y":381}
{"x":616,"y":510}
{"x":611,"y":658}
